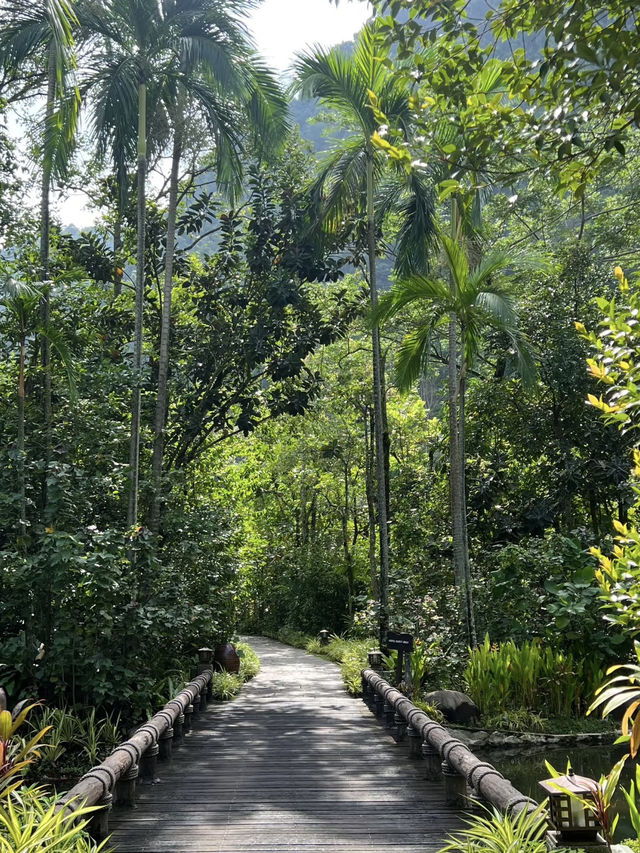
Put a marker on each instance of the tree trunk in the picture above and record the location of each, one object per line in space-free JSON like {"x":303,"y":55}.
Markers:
{"x":468,"y":589}
{"x":383,"y":530}
{"x":134,"y":448}
{"x":22,"y":490}
{"x":369,"y":430}
{"x":45,"y":303}
{"x":165,"y":329}
{"x":117,"y":253}
{"x":348,"y":556}
{"x":454,"y":457}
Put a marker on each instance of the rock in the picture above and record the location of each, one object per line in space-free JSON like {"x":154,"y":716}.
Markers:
{"x":472,"y":739}
{"x":455,"y":706}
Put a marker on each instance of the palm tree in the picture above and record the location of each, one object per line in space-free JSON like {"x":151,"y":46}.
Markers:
{"x":216,"y":73}
{"x":187,"y":54}
{"x":128,"y":50}
{"x":350,"y":84}
{"x":471,"y":301}
{"x":42,"y":34}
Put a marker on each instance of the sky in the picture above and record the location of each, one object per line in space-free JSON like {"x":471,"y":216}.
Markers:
{"x":280,"y":29}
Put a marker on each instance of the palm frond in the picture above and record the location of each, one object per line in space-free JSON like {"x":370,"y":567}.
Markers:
{"x":457,"y":262}
{"x":60,"y":346}
{"x":417,"y":234}
{"x":412,"y":357}
{"x":409,"y":291}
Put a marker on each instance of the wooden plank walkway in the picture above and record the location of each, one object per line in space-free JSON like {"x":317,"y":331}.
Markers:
{"x":293,"y":764}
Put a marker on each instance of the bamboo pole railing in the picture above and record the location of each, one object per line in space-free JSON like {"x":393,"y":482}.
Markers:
{"x":115,"y":779}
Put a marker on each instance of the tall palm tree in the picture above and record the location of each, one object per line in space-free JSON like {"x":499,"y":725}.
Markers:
{"x":42,"y":35}
{"x":349,"y":84}
{"x":217,"y":74}
{"x":128,"y":51}
{"x":181,"y":55}
{"x":470,"y":302}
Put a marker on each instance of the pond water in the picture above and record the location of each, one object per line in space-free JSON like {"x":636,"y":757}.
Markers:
{"x":526,"y":769}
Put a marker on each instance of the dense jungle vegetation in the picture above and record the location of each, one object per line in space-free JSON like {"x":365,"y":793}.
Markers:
{"x":389,"y":384}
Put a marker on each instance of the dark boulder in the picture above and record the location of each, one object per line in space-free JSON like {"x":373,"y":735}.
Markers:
{"x":455,"y":706}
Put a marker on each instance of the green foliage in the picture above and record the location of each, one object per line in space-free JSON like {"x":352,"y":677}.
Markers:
{"x":506,"y":677}
{"x":31,"y":822}
{"x":516,"y":720}
{"x":249,"y":661}
{"x":502,"y":833}
{"x":75,"y":741}
{"x":16,"y":753}
{"x":226,"y":685}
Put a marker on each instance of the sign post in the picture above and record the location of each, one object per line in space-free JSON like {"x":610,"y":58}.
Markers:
{"x":403,"y":644}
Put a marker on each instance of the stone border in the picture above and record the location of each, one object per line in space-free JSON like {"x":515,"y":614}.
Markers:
{"x":501,"y":739}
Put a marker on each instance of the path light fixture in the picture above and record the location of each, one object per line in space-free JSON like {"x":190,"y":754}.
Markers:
{"x":571,"y":818}
{"x":375,"y":658}
{"x":324,"y":637}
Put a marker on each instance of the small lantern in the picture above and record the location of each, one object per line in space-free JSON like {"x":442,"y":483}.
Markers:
{"x":570,"y":817}
{"x":375,"y":658}
{"x":324,"y":637}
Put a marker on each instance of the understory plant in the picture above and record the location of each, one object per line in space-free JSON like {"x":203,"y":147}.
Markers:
{"x":29,"y":820}
{"x":505,"y":677}
{"x":498,"y":832}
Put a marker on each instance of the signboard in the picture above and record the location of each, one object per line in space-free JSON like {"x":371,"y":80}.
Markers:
{"x":400,"y":642}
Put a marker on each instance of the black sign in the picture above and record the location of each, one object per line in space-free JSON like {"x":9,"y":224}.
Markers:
{"x":401,"y":642}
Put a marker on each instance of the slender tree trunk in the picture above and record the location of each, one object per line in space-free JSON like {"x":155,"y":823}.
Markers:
{"x":348,"y":556}
{"x":468,"y":588}
{"x":165,"y":329}
{"x":369,"y":431}
{"x":454,"y":457}
{"x":20,"y":443}
{"x":134,"y":448}
{"x":45,"y":302}
{"x":117,"y":253}
{"x":383,"y":530}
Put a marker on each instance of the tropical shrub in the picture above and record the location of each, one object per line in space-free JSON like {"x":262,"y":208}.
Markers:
{"x":505,"y":677}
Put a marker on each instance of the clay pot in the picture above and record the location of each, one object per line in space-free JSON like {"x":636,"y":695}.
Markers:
{"x":226,"y":658}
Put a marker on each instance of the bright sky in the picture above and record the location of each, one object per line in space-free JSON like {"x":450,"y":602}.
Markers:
{"x":280,"y":28}
{"x":283,"y":27}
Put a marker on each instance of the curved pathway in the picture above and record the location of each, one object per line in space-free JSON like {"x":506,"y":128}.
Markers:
{"x":293,"y":764}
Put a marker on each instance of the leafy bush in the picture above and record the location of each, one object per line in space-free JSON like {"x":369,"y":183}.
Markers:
{"x":495,"y":832}
{"x":519,"y":720}
{"x":30,"y":822}
{"x":225,"y":685}
{"x":507,"y":677}
{"x":249,"y":661}
{"x":75,"y":742}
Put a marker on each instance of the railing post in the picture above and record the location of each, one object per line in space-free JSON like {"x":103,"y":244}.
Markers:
{"x":126,"y":787}
{"x":188,"y":718}
{"x":195,"y":714}
{"x":400,"y":726}
{"x":378,"y":702}
{"x":178,"y":729}
{"x":455,"y":786}
{"x":99,"y":823}
{"x":432,"y":762}
{"x":389,"y":713}
{"x":165,"y":742}
{"x":415,"y":740}
{"x":149,"y":763}
{"x":205,"y":662}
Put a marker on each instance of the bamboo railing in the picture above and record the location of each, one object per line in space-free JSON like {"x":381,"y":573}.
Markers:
{"x":114,"y":781}
{"x":467,"y":779}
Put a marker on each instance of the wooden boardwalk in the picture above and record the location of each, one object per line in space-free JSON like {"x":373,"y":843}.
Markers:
{"x":293,"y":764}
